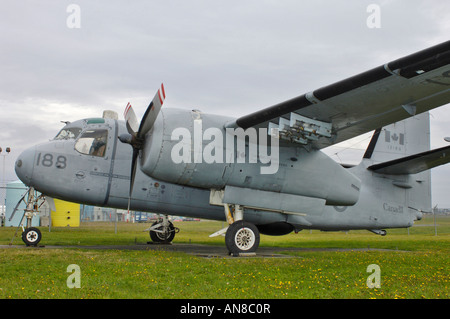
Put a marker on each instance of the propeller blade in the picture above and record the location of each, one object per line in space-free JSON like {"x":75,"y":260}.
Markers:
{"x":131,"y":120}
{"x":152,"y":112}
{"x":138,"y":132}
{"x":133,"y":174}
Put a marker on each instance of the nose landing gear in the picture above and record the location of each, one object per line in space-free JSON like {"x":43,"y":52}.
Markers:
{"x":31,"y":236}
{"x":162,"y":230}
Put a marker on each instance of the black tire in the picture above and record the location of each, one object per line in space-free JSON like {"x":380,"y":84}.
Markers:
{"x":31,"y":236}
{"x":242,"y":237}
{"x":166,"y":237}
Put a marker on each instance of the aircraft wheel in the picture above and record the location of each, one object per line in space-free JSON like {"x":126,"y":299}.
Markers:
{"x":242,"y":237}
{"x":31,"y":236}
{"x":165,"y":237}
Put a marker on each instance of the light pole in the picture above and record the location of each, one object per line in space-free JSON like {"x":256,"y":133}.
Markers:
{"x":8,"y":150}
{"x":3,"y":199}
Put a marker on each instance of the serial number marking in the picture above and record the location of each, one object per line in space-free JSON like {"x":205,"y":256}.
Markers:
{"x":46,"y":160}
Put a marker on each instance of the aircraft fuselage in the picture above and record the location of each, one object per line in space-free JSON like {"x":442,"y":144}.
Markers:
{"x":92,"y":167}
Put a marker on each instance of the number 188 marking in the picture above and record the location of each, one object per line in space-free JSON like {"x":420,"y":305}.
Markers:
{"x":47,"y":160}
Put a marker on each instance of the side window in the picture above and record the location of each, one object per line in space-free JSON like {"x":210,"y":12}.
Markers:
{"x":92,"y":142}
{"x":68,"y":133}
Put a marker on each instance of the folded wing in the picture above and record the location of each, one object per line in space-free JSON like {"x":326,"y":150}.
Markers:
{"x":359,"y":104}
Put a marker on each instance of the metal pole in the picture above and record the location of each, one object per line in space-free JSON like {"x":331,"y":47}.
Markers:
{"x":434,"y":217}
{"x":3,"y":202}
{"x":115,"y":222}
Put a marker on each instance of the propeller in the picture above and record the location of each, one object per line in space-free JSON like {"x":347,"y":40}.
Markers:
{"x":137,"y":132}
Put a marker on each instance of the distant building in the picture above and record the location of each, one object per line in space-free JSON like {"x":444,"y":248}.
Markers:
{"x":441,"y":211}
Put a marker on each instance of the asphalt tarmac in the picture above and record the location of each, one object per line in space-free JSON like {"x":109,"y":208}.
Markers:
{"x":206,"y":251}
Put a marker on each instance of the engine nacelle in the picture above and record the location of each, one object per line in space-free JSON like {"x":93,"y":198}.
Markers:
{"x":195,"y":149}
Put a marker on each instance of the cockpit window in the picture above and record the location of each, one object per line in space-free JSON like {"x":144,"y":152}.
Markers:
{"x":92,"y":142}
{"x":68,"y":133}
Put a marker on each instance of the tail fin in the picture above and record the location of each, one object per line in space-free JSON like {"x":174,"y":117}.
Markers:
{"x":400,"y":140}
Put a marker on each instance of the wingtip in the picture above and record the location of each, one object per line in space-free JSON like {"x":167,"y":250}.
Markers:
{"x":162,"y":94}
{"x":162,"y":89}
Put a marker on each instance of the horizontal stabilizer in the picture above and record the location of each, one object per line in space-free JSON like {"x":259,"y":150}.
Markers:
{"x":414,"y":164}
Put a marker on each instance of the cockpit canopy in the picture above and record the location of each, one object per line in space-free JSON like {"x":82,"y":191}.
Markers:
{"x":92,"y":142}
{"x":90,"y":136}
{"x":69,"y":133}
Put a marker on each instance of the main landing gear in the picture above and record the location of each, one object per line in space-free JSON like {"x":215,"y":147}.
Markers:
{"x":241,"y":237}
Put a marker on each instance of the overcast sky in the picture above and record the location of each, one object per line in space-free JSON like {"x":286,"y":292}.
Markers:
{"x":227,"y":57}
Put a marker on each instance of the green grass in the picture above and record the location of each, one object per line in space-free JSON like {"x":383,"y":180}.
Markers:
{"x":415,"y":266}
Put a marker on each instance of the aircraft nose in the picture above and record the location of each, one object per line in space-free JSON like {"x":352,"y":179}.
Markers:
{"x":24,"y":165}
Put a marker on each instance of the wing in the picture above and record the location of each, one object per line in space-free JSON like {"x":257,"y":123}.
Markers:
{"x":362,"y":103}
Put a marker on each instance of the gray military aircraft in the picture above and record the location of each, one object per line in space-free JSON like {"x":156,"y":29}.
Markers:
{"x":195,"y":164}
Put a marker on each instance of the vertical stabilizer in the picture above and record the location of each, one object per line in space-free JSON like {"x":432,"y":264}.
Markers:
{"x":398,"y":140}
